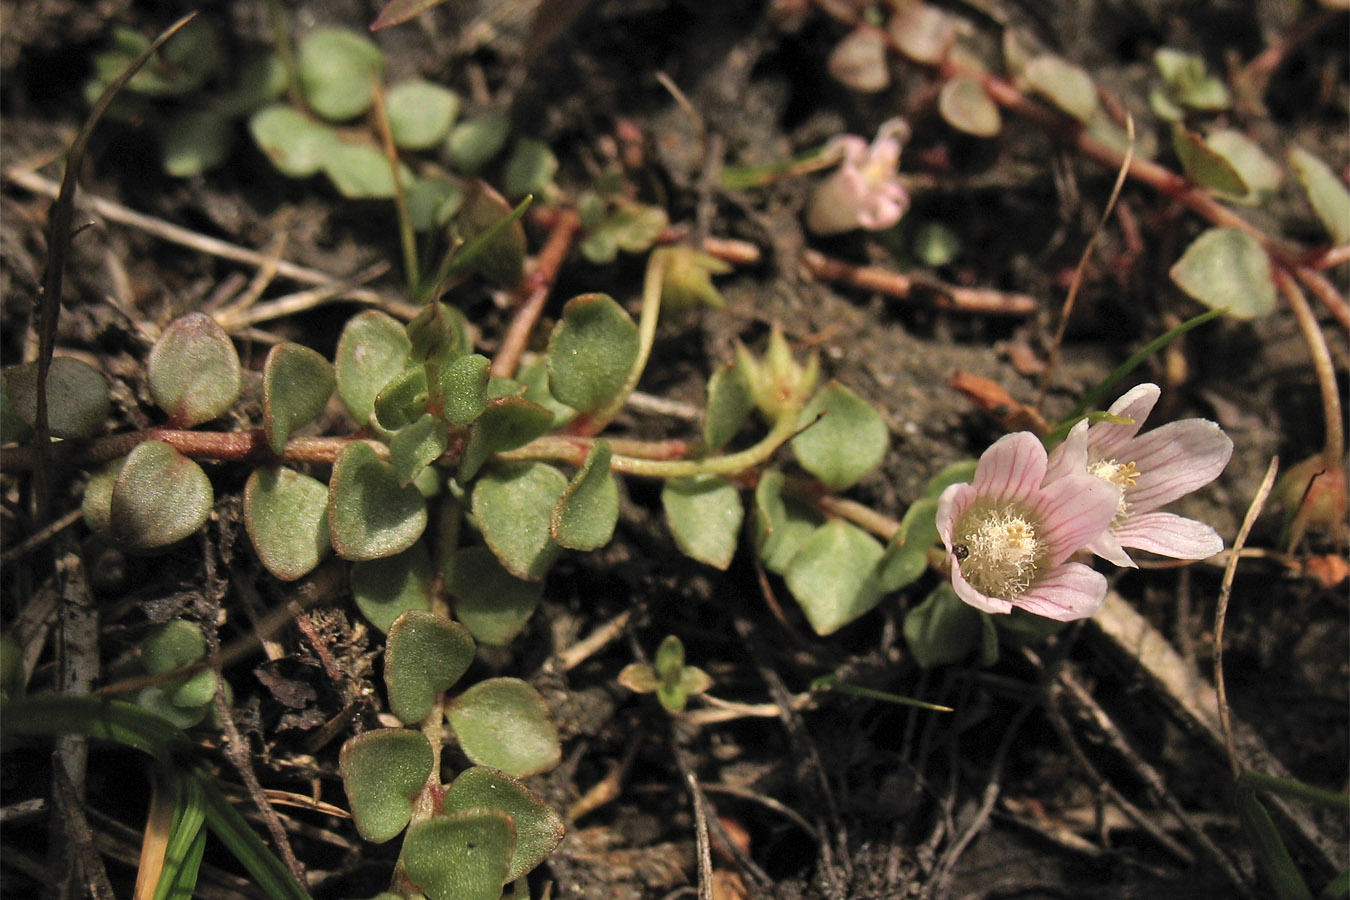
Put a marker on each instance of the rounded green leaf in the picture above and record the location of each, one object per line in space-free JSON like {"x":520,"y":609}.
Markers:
{"x":464,"y":385}
{"x":1225,"y":267}
{"x":504,"y":723}
{"x":338,"y":71}
{"x":1063,"y":84}
{"x":460,"y":856}
{"x":534,"y":376}
{"x":847,"y":440}
{"x":171,"y":646}
{"x":1258,"y":171}
{"x":965,"y":105}
{"x":195,"y":141}
{"x":513,"y":505}
{"x":729,"y":403}
{"x":907,"y":555}
{"x":1204,"y":165}
{"x":296,"y":144}
{"x":943,"y":628}
{"x":373,"y":349}
{"x":403,"y":399}
{"x":438,"y":334}
{"x":426,"y":654}
{"x":475,"y":141}
{"x":297,"y":383}
{"x":361,"y":172}
{"x":77,"y":397}
{"x":529,"y":169}
{"x":832,"y":575}
{"x":1327,"y":194}
{"x":286,"y":514}
{"x":420,"y":113}
{"x":782,"y":524}
{"x":585,"y":516}
{"x":384,"y":770}
{"x":416,"y":446}
{"x":433,"y":202}
{"x":194,"y":371}
{"x":370,"y":514}
{"x":539,"y":828}
{"x":491,"y":602}
{"x":505,"y":424}
{"x":159,"y":497}
{"x":97,"y":505}
{"x":705,"y":515}
{"x":385,"y":589}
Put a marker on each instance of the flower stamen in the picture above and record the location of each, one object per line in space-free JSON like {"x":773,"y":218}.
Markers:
{"x":1003,"y":553}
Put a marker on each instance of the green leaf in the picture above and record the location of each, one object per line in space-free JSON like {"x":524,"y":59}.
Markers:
{"x":782,"y":524}
{"x":500,"y":254}
{"x":513,"y":505}
{"x":437,"y":334}
{"x":529,"y":169}
{"x":504,"y":723}
{"x":686,"y":281}
{"x":77,"y":398}
{"x":97,"y":505}
{"x":1225,"y":267}
{"x":1065,"y":85}
{"x":403,"y":399}
{"x":464,"y":388}
{"x":832,"y":575}
{"x":338,"y":71}
{"x":588,"y":510}
{"x":53,"y":715}
{"x":460,"y":856}
{"x":943,"y":629}
{"x":848,"y":441}
{"x":628,"y":226}
{"x":906,"y":557}
{"x":272,"y":878}
{"x":534,"y":376}
{"x":962,"y":472}
{"x":362,"y":172}
{"x":1204,"y":165}
{"x":476,"y":140}
{"x":506,"y":423}
{"x":159,"y":497}
{"x":262,"y":79}
{"x":420,"y":113}
{"x":370,"y":514}
{"x":193,"y":371}
{"x":385,"y":589}
{"x":1257,"y":170}
{"x":538,"y":828}
{"x":491,"y":602}
{"x":173,"y":645}
{"x":729,"y":403}
{"x":965,"y":105}
{"x":425,"y":655}
{"x":1188,"y":82}
{"x":416,"y":446}
{"x":591,"y":352}
{"x":373,"y":349}
{"x":433,"y":202}
{"x":286,"y":514}
{"x":383,"y":771}
{"x":296,"y":144}
{"x":297,"y":383}
{"x":1327,"y":194}
{"x":705,"y":515}
{"x":195,"y":141}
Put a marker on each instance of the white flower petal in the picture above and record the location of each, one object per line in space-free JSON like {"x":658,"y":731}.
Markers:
{"x":1170,"y":535}
{"x":1072,"y":511}
{"x":1068,"y":592}
{"x":1108,"y":548}
{"x":954,"y":500}
{"x":1011,"y":469}
{"x":966,"y":592}
{"x":1174,"y":460}
{"x":1106,"y":440}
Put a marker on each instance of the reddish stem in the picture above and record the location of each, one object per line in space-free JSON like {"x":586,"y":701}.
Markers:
{"x":533,"y":291}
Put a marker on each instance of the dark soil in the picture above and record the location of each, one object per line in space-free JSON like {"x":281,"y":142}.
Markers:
{"x":848,"y":797}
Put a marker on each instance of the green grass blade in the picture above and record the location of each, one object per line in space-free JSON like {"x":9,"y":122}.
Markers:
{"x":50,"y":715}
{"x":187,"y":840}
{"x":226,"y":824}
{"x":1272,"y":857}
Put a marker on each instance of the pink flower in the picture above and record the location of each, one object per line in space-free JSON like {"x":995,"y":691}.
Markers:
{"x":1009,"y":533}
{"x":865,"y":191}
{"x":1147,"y":472}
